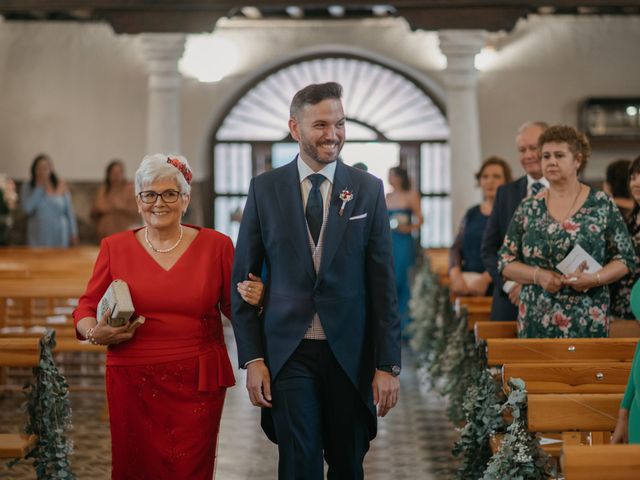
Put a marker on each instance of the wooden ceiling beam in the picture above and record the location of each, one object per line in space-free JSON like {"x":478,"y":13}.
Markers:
{"x":195,"y":16}
{"x":51,"y":5}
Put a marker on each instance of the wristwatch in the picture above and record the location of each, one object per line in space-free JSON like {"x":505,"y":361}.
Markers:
{"x":392,"y":369}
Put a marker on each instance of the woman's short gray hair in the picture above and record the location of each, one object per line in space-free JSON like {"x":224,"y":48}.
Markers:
{"x":156,"y":167}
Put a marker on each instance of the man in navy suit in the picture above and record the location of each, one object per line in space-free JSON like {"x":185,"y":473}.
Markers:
{"x":325,"y":351}
{"x":506,"y":297}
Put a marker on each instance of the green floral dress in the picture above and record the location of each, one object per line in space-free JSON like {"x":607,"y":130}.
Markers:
{"x":537,"y":239}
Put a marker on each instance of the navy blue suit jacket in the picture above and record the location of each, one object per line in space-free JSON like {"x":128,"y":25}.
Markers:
{"x":354,"y":291}
{"x":507,"y":200}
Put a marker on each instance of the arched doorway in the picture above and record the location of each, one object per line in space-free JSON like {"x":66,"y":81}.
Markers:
{"x":391,"y":119}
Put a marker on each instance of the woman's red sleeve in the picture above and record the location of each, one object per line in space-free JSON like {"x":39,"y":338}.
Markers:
{"x":98,"y":284}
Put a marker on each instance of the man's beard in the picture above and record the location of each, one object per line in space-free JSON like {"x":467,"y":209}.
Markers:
{"x":312,"y":152}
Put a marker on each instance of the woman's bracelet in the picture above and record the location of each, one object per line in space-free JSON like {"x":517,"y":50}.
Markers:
{"x":89,"y":336}
{"x":598,"y":278}
{"x":535,"y":272}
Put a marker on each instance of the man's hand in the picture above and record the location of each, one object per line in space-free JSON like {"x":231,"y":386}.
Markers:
{"x":514,"y":294}
{"x":259,"y":384}
{"x":386,"y":389}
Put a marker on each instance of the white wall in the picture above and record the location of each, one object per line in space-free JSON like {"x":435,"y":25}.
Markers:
{"x":546,"y":67}
{"x":78,"y":91}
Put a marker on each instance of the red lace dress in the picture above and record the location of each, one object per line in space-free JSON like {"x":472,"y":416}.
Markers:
{"x":166,"y":386}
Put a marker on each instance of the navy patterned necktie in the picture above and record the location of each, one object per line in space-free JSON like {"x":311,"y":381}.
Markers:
{"x":314,"y":211}
{"x":536,"y":187}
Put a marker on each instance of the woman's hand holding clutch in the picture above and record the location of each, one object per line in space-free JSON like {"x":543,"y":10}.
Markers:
{"x":104,"y":334}
{"x":252,"y":290}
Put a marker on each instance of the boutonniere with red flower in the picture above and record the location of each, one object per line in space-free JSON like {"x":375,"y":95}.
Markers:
{"x":346,"y":196}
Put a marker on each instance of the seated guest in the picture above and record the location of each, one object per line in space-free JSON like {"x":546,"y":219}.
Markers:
{"x":616,"y":185}
{"x":47,"y":202}
{"x":166,"y":380}
{"x":466,"y":270}
{"x":114,"y":208}
{"x":547,"y":227}
{"x":621,"y":290}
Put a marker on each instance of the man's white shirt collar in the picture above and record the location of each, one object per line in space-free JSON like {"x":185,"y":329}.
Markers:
{"x":531,"y":181}
{"x":304,"y":170}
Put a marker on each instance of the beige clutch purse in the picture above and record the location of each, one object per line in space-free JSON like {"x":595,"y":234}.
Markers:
{"x":117,"y":298}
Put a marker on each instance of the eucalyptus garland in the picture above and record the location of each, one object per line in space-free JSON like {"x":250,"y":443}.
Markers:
{"x":482,"y":408}
{"x":445,"y":319}
{"x":520,"y":456}
{"x":463,"y":364}
{"x":423,"y":309}
{"x":49,"y":416}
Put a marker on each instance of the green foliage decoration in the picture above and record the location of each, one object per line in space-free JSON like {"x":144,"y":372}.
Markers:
{"x":49,"y":412}
{"x":445,"y":320}
{"x":520,"y":456}
{"x":423,"y":310}
{"x":462,"y":363}
{"x":482,"y":408}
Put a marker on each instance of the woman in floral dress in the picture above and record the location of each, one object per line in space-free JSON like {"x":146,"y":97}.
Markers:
{"x":621,"y":290}
{"x":546,"y":227}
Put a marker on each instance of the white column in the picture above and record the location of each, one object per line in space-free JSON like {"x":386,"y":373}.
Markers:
{"x":461,"y":47}
{"x":162,"y":51}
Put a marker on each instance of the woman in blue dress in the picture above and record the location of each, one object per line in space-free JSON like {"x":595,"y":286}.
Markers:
{"x":47,"y":202}
{"x":405,"y":216}
{"x":466,"y":270}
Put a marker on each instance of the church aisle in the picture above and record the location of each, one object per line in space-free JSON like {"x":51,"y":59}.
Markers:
{"x":414,"y":441}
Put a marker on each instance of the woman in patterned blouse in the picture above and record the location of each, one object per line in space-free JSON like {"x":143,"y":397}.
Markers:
{"x":621,"y":290}
{"x":546,"y":227}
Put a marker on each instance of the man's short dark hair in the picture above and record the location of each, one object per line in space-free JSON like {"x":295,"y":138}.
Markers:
{"x":314,"y":94}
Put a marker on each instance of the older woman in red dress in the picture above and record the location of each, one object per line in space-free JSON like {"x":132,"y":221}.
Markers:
{"x":166,"y":379}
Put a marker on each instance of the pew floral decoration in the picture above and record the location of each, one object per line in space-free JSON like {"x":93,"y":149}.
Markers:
{"x":520,"y":455}
{"x":49,"y":412}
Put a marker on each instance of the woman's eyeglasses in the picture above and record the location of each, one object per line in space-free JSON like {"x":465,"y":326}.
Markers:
{"x":168,"y":196}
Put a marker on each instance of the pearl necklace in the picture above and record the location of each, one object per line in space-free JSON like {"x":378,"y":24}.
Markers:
{"x":161,"y":250}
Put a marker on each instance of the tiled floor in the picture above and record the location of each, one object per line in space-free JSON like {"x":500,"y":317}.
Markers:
{"x":414,"y":440}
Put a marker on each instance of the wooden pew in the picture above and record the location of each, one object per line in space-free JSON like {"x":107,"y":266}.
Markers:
{"x":573,"y":413}
{"x":18,"y":352}
{"x":600,"y":462}
{"x":478,"y":309}
{"x":569,"y":377}
{"x":550,"y":350}
{"x":439,"y":261}
{"x":494,"y":329}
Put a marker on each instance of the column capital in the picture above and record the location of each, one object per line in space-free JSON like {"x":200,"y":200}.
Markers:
{"x":461,"y":48}
{"x":162,"y":46}
{"x":462,"y":42}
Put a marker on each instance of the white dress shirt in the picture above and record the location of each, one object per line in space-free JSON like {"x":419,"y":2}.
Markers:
{"x":531,"y":181}
{"x":315,"y":330}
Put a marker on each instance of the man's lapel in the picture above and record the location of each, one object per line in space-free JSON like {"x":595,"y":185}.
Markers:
{"x":336,"y":223}
{"x":290,"y":201}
